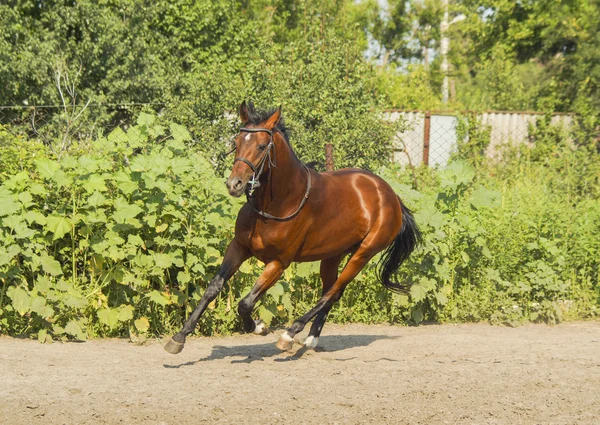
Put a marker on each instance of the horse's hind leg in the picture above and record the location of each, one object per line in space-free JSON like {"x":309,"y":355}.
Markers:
{"x":329,"y":274}
{"x":356,"y":263}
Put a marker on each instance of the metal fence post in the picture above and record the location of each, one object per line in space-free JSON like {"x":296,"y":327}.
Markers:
{"x":426,"y":135}
{"x":329,"y":157}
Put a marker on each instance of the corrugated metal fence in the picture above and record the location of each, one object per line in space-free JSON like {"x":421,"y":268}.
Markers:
{"x":431,"y":137}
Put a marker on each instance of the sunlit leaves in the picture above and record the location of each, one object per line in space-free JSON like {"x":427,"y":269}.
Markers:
{"x":58,"y":225}
{"x":47,"y":168}
{"x":50,"y":265}
{"x":74,"y":329}
{"x":485,"y":198}
{"x":21,"y":301}
{"x":158,"y":298}
{"x":8,"y":202}
{"x":142,"y":324}
{"x":108,"y":316}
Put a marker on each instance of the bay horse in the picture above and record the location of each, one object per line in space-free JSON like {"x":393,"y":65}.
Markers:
{"x":296,"y":214}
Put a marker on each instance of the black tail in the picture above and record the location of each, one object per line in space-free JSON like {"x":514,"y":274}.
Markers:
{"x":399,"y":250}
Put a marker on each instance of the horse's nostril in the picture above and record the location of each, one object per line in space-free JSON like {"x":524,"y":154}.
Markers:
{"x":238,"y":184}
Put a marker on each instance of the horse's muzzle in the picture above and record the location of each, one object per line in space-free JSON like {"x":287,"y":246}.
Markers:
{"x":235,"y":185}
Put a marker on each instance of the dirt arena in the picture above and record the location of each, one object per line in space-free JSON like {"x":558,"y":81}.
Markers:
{"x":448,"y":374}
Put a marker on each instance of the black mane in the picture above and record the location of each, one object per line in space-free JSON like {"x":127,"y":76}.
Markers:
{"x":257,"y":116}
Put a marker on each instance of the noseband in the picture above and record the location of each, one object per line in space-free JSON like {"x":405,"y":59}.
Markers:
{"x":258,"y":169}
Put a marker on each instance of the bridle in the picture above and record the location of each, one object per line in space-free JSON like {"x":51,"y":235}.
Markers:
{"x":258,"y":169}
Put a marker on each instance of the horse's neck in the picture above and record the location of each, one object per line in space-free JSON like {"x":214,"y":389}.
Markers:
{"x":286,"y":183}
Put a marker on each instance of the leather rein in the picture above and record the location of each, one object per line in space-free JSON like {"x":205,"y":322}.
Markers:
{"x":258,"y":169}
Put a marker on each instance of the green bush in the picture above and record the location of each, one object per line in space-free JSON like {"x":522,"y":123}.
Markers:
{"x":122,"y":239}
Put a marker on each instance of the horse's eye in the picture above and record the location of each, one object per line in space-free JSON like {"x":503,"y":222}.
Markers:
{"x":262,"y":147}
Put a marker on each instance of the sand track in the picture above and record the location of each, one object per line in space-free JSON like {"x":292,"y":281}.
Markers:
{"x":449,"y":374}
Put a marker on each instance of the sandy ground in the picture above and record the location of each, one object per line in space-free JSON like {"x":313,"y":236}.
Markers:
{"x":449,"y":374}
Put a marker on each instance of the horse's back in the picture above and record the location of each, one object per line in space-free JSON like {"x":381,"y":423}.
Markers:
{"x":348,"y":204}
{"x":356,"y":182}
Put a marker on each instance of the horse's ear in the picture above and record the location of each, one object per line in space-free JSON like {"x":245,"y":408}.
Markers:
{"x":244,"y":112}
{"x":274,"y":119}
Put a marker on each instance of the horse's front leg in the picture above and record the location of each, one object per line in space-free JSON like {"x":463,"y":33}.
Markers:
{"x":235,"y":255}
{"x":269,"y":276}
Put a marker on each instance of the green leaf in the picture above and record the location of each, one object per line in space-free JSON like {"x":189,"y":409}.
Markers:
{"x":74,"y":329}
{"x":161,"y":228}
{"x":94,"y":182}
{"x":429,"y":215}
{"x":267,"y":314}
{"x":276,"y":290}
{"x":125,"y":182}
{"x":286,"y":300}
{"x":142,"y":324}
{"x":25,"y":198}
{"x":35,"y":217}
{"x":108,"y":316}
{"x":117,"y":136}
{"x":136,"y":241}
{"x":62,"y":179}
{"x":59,"y":225}
{"x":183,"y":277}
{"x":417,"y":315}
{"x":37,"y":189}
{"x":417,"y":292}
{"x":213,"y":256}
{"x":441,"y":298}
{"x":47,"y":168}
{"x":179,"y":133}
{"x":38,"y":306}
{"x":43,"y":337}
{"x":21,"y":301}
{"x":125,"y":313}
{"x":145,"y":119}
{"x":305,"y":270}
{"x":50,"y":265}
{"x":6,"y":255}
{"x":8,"y":201}
{"x":163,"y":261}
{"x":485,"y":198}
{"x":158,"y":298}
{"x":88,"y":163}
{"x":96,"y":199}
{"x":401,"y":299}
{"x":125,"y":211}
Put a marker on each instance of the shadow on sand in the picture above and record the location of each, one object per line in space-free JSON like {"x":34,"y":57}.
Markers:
{"x":258,"y":352}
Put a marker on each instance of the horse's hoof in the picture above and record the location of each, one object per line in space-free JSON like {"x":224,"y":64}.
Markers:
{"x":174,"y":347}
{"x":261,"y":328}
{"x":286,"y":342}
{"x":311,"y":342}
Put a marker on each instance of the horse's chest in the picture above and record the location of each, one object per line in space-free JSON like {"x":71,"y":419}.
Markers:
{"x":270,"y":244}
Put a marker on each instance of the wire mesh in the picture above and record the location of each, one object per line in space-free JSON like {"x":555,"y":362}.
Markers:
{"x":426,"y":138}
{"x":434,"y":138}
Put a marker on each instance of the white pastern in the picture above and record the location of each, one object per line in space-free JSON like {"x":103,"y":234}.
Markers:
{"x":286,"y":337}
{"x":260,"y":328}
{"x":311,"y":342}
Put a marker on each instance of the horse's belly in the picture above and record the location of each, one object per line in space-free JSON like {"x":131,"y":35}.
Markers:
{"x":328,"y":242}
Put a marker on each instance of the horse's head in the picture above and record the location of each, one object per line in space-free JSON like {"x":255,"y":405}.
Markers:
{"x":254,"y":151}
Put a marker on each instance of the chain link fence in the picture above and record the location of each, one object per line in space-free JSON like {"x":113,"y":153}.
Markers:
{"x":432,"y":138}
{"x":428,"y":138}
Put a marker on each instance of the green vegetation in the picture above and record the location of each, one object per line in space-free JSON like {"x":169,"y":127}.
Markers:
{"x":122,"y":238}
{"x":113,"y":220}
